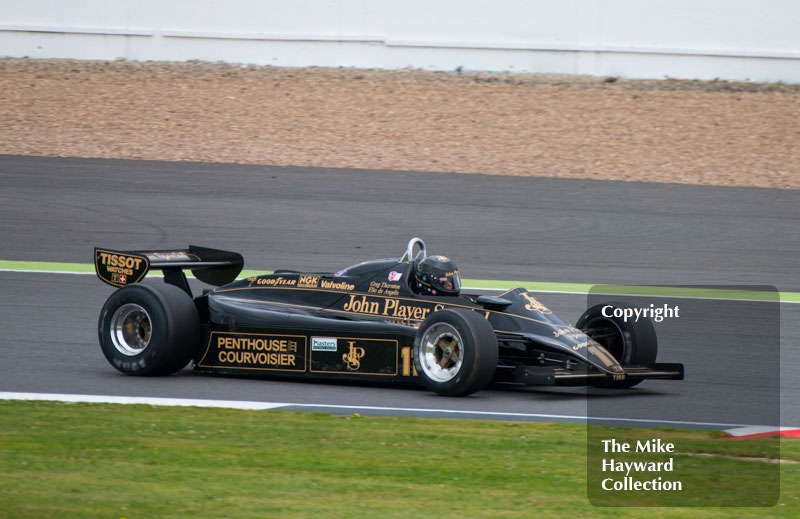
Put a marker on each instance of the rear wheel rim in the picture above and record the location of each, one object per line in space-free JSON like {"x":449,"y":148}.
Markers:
{"x":131,"y":329}
{"x":441,"y":352}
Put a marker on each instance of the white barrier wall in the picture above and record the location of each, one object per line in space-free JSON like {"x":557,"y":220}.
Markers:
{"x":702,"y":39}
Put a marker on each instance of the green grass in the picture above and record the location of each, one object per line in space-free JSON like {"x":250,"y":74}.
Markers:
{"x":113,"y":461}
{"x":534,"y":286}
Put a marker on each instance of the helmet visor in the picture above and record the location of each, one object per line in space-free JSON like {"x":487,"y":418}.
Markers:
{"x":449,"y":282}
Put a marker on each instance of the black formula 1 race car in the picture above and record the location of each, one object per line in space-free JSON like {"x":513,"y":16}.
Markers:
{"x":400,"y":321}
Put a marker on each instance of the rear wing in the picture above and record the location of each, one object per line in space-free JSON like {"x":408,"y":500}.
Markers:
{"x":121,"y":268}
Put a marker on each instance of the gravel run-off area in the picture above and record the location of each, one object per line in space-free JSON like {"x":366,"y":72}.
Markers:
{"x":715,"y":133}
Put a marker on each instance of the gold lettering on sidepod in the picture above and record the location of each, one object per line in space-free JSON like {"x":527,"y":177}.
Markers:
{"x":389,"y":307}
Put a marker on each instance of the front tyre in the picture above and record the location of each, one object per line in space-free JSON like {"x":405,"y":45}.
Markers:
{"x":455,"y":352}
{"x":631,"y":343}
{"x":149,"y":329}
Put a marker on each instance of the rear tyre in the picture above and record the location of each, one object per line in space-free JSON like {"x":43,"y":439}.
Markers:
{"x":455,"y":352}
{"x":149,"y":329}
{"x":631,"y":343}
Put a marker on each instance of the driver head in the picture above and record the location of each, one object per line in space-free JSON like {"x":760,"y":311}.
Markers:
{"x":438,"y":276}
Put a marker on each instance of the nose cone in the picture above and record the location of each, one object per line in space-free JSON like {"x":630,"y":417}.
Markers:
{"x":585,"y":347}
{"x":601,"y":358}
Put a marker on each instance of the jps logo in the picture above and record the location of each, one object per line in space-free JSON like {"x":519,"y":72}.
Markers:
{"x":534,"y":305}
{"x":308,"y":281}
{"x":353,"y":357}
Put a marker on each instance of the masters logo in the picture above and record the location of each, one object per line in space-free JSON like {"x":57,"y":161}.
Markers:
{"x":323,"y":344}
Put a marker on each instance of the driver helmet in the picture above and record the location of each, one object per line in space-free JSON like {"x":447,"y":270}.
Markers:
{"x":438,"y":276}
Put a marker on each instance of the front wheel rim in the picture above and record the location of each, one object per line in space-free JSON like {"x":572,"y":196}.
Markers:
{"x":441,"y":352}
{"x":131,"y":329}
{"x":618,"y":349}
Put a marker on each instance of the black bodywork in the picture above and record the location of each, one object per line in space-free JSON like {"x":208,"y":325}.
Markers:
{"x":360,"y":324}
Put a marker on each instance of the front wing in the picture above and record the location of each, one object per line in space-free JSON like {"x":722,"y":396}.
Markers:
{"x":552,"y":376}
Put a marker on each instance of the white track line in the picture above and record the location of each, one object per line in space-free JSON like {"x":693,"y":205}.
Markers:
{"x":519,"y":415}
{"x":755,"y":429}
{"x":257,"y":406}
{"x":159,"y":401}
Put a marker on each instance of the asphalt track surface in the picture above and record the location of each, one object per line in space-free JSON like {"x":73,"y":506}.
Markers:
{"x":54,"y":209}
